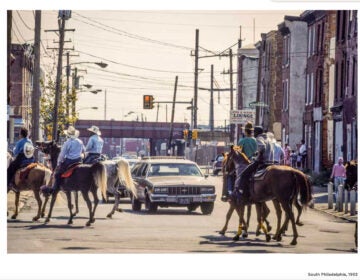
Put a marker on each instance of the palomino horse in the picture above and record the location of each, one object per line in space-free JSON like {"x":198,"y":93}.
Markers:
{"x":118,"y":173}
{"x":282,"y":185}
{"x":32,"y":178}
{"x":228,"y":167}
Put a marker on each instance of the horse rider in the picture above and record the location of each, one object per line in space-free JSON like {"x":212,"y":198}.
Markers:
{"x":94,"y":146}
{"x":265,"y":156}
{"x":248,"y":146}
{"x":71,"y":152}
{"x":279,"y":154}
{"x":23,"y":153}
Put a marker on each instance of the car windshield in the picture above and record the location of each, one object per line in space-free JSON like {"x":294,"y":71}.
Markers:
{"x":174,"y":169}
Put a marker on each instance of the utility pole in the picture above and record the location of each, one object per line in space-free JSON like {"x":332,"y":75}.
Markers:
{"x":172,"y":115}
{"x":73,"y":105}
{"x":157,"y":113}
{"x":211,"y":119}
{"x":10,"y":120}
{"x":231,"y":95}
{"x":68,"y":69}
{"x":196,"y":77}
{"x":35,"y":100}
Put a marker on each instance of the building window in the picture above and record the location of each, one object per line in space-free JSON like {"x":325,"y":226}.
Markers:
{"x":286,"y":95}
{"x":307,"y":96}
{"x":311,"y":88}
{"x":354,"y":77}
{"x":286,"y":57}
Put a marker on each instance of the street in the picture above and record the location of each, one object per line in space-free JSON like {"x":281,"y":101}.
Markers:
{"x":169,"y":230}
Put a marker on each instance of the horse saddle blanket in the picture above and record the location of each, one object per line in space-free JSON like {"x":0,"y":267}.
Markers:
{"x":24,"y":172}
{"x":260,"y":174}
{"x":68,"y":172}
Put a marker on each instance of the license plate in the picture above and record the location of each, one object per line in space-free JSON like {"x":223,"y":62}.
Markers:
{"x":184,"y":201}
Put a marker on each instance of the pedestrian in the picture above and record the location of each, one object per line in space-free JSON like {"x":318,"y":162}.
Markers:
{"x":293,"y":157}
{"x":338,"y":174}
{"x":303,"y":153}
{"x":94,"y":146}
{"x":287,"y":152}
{"x":23,"y":153}
{"x":71,"y":152}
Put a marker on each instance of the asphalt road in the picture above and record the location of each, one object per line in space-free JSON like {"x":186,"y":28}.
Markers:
{"x":170,"y":230}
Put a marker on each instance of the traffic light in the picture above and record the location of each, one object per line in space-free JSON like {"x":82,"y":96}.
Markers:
{"x":185,"y":134}
{"x":148,"y":102}
{"x":190,"y":134}
{"x":194,"y":134}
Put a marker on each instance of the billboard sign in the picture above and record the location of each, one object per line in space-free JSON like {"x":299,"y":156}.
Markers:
{"x":242,"y":116}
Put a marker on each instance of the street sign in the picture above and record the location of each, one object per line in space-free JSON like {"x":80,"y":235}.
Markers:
{"x":242,"y":116}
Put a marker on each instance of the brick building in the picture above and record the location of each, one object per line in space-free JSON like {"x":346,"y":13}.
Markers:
{"x":344,"y":109}
{"x":21,"y":73}
{"x":269,"y":90}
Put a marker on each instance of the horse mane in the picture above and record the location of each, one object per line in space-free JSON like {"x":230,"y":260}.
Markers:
{"x":238,"y":150}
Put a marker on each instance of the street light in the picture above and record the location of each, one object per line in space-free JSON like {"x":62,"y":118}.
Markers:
{"x":84,"y":108}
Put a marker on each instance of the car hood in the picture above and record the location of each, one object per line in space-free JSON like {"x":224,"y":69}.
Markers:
{"x":178,"y":180}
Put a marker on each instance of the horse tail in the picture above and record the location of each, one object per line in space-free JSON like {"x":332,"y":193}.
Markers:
{"x":304,"y":187}
{"x":124,"y":175}
{"x":100,"y":177}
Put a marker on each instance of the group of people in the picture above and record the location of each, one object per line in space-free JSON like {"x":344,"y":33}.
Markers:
{"x":262,"y":149}
{"x":72,"y":152}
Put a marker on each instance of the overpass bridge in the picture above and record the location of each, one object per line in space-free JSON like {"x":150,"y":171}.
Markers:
{"x":156,"y":132}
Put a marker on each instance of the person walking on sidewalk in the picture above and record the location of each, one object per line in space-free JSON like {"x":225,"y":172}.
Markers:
{"x":338,"y":175}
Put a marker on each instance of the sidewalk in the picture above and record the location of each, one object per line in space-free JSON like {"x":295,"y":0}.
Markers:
{"x":321,"y":204}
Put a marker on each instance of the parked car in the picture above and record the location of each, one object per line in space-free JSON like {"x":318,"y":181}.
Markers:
{"x":171,"y":182}
{"x":217,"y":164}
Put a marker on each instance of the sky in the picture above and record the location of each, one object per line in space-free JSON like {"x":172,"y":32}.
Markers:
{"x":142,"y":66}
{"x":145,"y":50}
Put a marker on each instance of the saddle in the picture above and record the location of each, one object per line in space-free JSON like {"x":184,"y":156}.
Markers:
{"x":24,"y":171}
{"x":69,"y":171}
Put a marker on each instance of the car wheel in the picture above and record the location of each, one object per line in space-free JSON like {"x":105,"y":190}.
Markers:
{"x":135,"y":204}
{"x":192,"y":207}
{"x":207,"y":208}
{"x":150,"y":206}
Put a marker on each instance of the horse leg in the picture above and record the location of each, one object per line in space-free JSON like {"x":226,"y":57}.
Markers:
{"x":17,"y":198}
{"x":299,"y":209}
{"x":70,"y":206}
{"x":288,"y":210}
{"x":277,"y":235}
{"x":240,"y":210}
{"x":266,"y":212}
{"x":52,"y":202}
{"x":96,"y":202}
{"x":42,"y":215}
{"x":76,"y":198}
{"x":39,"y":202}
{"x":260,"y":221}
{"x":88,"y":203}
{"x":246,"y":223}
{"x":248,"y":216}
{"x":116,"y":205}
{"x":228,"y":216}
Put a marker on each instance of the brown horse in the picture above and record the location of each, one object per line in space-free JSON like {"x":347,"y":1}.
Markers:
{"x":351,"y":184}
{"x":282,"y":184}
{"x":228,"y":167}
{"x":118,"y":173}
{"x":37,"y":175}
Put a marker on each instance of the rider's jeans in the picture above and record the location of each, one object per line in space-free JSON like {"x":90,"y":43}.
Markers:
{"x":337,"y":182}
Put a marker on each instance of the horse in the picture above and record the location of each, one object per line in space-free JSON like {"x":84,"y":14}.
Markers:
{"x":118,"y":173}
{"x":281,"y":184}
{"x":31,"y":177}
{"x":228,"y":167}
{"x":351,"y":184}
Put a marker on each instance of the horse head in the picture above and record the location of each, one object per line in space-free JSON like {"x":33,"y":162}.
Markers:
{"x":237,"y":156}
{"x":351,"y":175}
{"x":50,"y":148}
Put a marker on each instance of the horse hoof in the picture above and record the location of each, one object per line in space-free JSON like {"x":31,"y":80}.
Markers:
{"x":109,"y":216}
{"x":299,"y":224}
{"x":35,"y":219}
{"x":70,"y":222}
{"x":245,"y":235}
{"x":236,"y":238}
{"x":119,"y":210}
{"x":42,"y":215}
{"x":268,"y":237}
{"x":269,"y":228}
{"x":279,"y":238}
{"x":92,"y":220}
{"x":47,"y":220}
{"x":88,"y":224}
{"x":257,"y":233}
{"x":13,"y":217}
{"x":293,"y":242}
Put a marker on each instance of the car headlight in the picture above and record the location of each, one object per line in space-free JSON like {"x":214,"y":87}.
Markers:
{"x":160,"y":190}
{"x":207,"y":190}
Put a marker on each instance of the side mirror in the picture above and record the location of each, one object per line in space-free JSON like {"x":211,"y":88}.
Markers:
{"x":206,"y":176}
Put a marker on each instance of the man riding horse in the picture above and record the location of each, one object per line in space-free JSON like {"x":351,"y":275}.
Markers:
{"x":265,"y":157}
{"x":70,"y":154}
{"x":94,"y":146}
{"x":23,"y":153}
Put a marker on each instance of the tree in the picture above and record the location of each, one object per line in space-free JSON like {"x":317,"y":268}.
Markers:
{"x":47,"y":102}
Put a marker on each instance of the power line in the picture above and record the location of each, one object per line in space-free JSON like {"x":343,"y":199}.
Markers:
{"x":32,"y":29}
